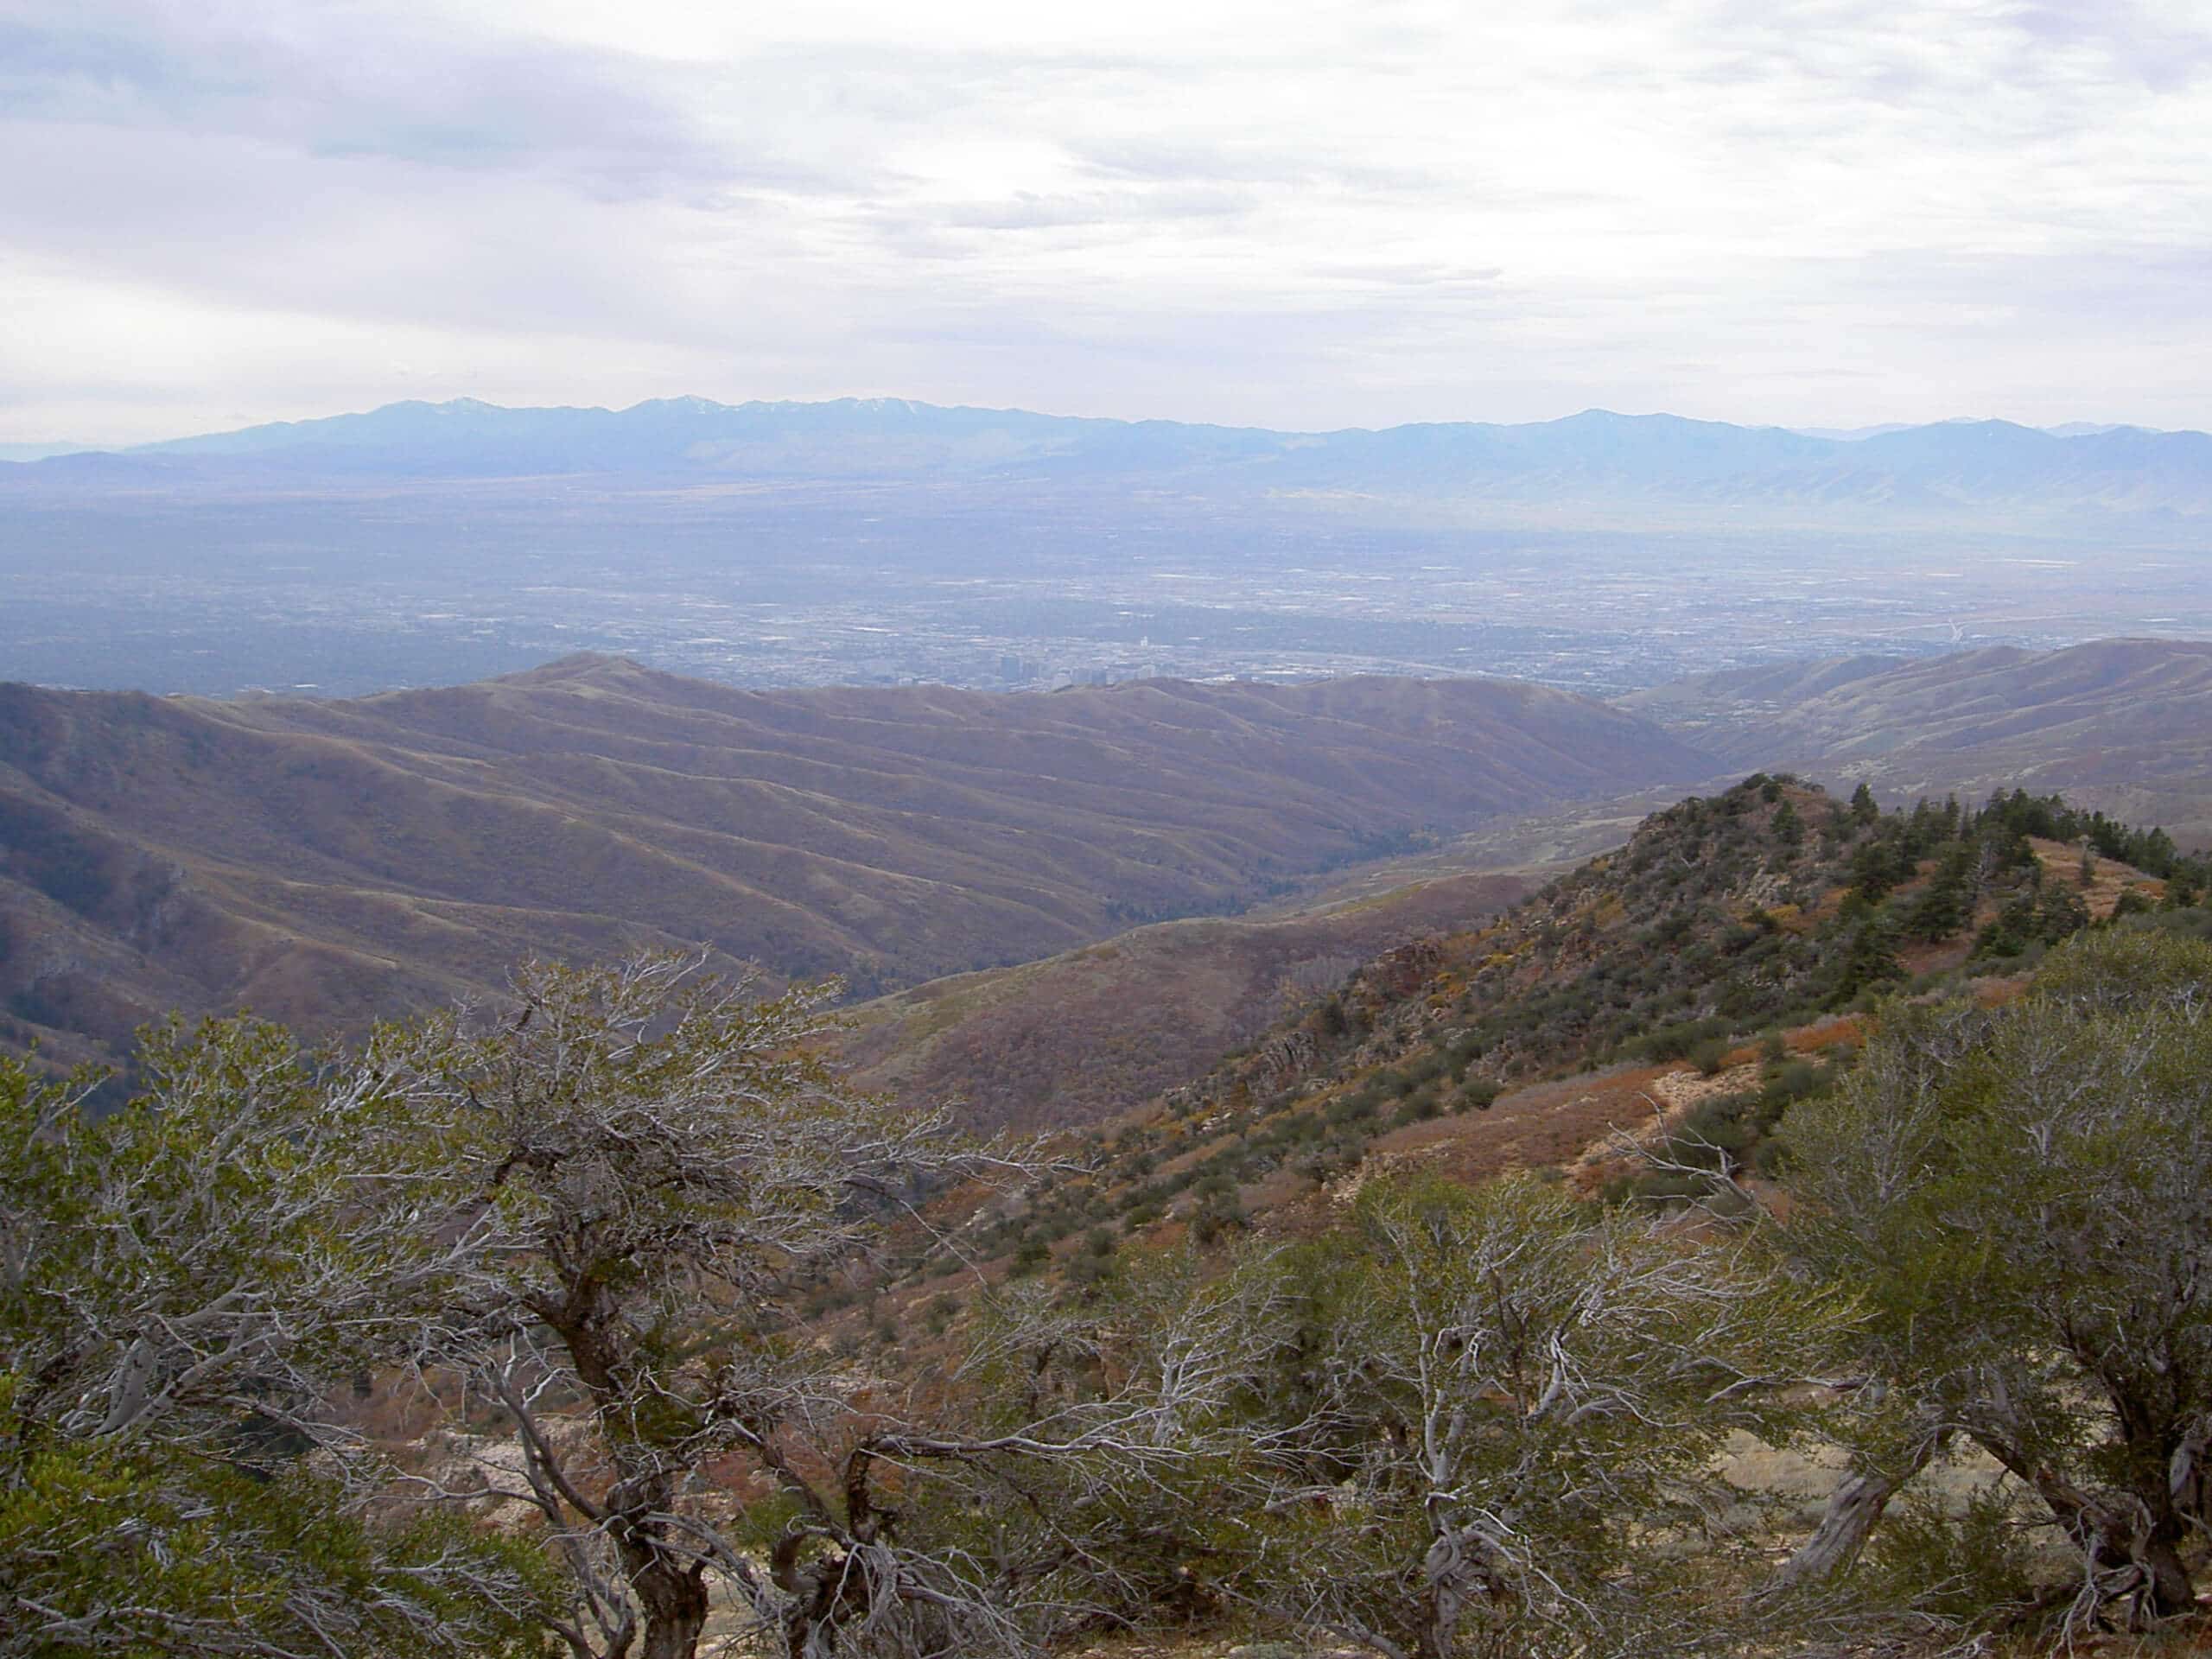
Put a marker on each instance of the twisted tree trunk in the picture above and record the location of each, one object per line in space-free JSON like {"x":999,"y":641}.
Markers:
{"x":1853,"y":1510}
{"x":674,"y":1599}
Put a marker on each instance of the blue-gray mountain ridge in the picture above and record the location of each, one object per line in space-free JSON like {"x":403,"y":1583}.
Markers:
{"x":1596,"y":456}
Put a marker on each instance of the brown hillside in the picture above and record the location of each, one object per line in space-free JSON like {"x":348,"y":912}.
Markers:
{"x":324,"y":861}
{"x":1078,"y":1037}
{"x":1686,"y":986}
{"x":2124,"y":726}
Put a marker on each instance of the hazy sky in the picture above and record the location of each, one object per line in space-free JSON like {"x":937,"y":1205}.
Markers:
{"x":1283,"y":214}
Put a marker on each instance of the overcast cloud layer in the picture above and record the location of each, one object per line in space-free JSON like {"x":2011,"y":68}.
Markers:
{"x":1279,"y":214}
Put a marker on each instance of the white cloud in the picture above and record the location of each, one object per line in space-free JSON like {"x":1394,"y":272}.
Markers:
{"x":1312,"y":214}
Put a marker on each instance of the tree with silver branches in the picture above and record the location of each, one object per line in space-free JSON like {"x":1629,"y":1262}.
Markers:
{"x":188,"y":1286}
{"x":659,"y":1159}
{"x":1072,"y":1472}
{"x":1495,"y":1433}
{"x":668,"y":1164}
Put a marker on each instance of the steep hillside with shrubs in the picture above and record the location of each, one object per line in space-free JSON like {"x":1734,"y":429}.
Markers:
{"x":1701,"y":977}
{"x":1721,"y":918}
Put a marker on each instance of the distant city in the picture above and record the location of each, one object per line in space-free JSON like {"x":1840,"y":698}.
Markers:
{"x":1601,"y":554}
{"x":214,"y":602}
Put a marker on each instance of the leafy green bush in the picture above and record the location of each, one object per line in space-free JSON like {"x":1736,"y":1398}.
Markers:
{"x":1417,"y":1108}
{"x":1477,"y":1095}
{"x":1710,"y":1055}
{"x":1970,"y":1568}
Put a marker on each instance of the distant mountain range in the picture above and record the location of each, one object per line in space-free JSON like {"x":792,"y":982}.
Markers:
{"x":1935,"y":471}
{"x":19,"y":452}
{"x":2067,"y":429}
